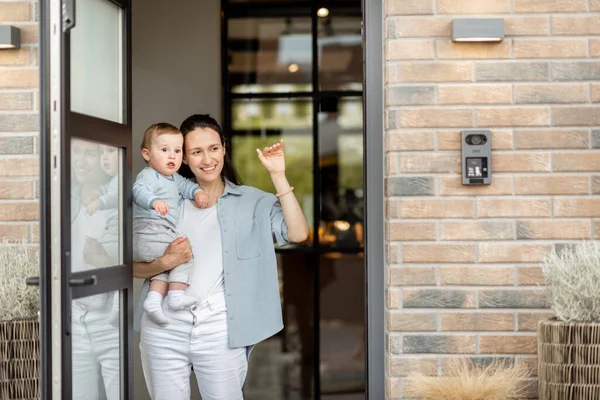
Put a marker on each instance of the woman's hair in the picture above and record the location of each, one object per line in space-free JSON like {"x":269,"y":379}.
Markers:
{"x":205,"y":121}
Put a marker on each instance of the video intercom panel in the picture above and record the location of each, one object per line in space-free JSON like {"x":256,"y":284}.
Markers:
{"x":476,"y":157}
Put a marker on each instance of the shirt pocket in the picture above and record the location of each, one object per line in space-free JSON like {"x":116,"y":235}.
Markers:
{"x":247,"y":238}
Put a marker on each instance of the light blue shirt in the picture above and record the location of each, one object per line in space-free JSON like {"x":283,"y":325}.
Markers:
{"x":150,"y":186}
{"x":250,"y":222}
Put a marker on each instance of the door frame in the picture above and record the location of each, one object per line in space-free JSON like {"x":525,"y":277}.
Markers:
{"x":56,"y":128}
{"x":374,"y":195}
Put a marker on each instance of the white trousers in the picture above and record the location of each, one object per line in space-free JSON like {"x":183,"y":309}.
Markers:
{"x":197,"y":338}
{"x":95,"y":347}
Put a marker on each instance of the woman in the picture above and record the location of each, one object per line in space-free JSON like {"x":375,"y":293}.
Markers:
{"x":95,"y":342}
{"x":234,"y":275}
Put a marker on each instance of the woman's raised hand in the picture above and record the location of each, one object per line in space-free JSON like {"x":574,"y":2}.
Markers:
{"x":272,"y":158}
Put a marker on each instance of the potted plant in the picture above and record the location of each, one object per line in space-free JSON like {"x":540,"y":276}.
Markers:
{"x":466,"y":380}
{"x":19,"y":322}
{"x":569,"y":343}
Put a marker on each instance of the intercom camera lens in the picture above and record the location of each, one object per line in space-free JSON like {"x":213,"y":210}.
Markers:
{"x":476,"y":139}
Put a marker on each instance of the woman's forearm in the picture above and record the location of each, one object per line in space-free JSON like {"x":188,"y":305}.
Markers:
{"x":178,"y":252}
{"x":297,"y":227}
{"x":146,"y":270}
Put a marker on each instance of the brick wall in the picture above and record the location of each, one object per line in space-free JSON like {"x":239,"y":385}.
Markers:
{"x":463,"y":263}
{"x":19,"y":126}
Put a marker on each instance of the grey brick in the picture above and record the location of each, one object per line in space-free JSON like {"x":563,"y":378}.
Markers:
{"x":522,"y":298}
{"x":410,"y":186}
{"x":19,"y":123}
{"x":411,"y":95}
{"x":437,"y":344}
{"x":522,"y":231}
{"x":436,"y":298}
{"x":16,"y":145}
{"x":392,"y":119}
{"x":579,"y":116}
{"x":15,"y":101}
{"x":561,"y":248}
{"x":391,"y":29}
{"x":517,"y":71}
{"x":394,"y":344}
{"x":575,"y":71}
{"x":596,"y":184}
{"x":596,"y":139}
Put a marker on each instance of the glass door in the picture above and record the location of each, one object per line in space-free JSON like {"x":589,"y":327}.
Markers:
{"x":86,"y":207}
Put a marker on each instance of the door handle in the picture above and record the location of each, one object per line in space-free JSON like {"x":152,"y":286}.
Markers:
{"x":87,"y":281}
{"x":33,"y":281}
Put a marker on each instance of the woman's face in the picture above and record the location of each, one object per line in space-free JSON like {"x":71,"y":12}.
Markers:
{"x":85,"y":162}
{"x":205,"y":154}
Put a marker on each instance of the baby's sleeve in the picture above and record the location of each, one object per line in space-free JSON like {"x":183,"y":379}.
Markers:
{"x":144,"y":188}
{"x":186,"y":187}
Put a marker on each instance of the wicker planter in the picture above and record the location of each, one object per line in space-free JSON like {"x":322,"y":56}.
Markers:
{"x":569,"y":360}
{"x":19,"y":359}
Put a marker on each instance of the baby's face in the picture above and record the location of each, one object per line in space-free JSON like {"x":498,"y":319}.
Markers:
{"x":166,"y":153}
{"x":109,"y":159}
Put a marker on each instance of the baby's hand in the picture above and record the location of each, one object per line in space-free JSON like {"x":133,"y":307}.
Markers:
{"x":161,"y":207}
{"x":202,"y":199}
{"x":92,"y":207}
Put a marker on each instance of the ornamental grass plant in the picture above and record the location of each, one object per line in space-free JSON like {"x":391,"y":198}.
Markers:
{"x":18,"y":261}
{"x":466,"y":380}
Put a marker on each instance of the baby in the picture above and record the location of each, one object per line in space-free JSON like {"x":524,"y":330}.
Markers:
{"x":157,"y":193}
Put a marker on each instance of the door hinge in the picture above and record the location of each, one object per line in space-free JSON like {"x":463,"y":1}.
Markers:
{"x":68,"y":14}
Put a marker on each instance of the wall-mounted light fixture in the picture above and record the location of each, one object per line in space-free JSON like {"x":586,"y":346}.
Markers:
{"x":478,"y":30}
{"x":10,"y":37}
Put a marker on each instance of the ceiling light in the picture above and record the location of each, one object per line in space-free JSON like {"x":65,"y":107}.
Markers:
{"x":293,"y":68}
{"x":322,"y":12}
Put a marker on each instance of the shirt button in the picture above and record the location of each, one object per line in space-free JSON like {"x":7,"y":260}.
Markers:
{"x":226,"y":250}
{"x":194,"y":308}
{"x":224,"y":229}
{"x":228,"y":294}
{"x":231,"y":318}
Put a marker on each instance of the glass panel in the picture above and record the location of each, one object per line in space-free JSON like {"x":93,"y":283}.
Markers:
{"x":97,"y":60}
{"x":261,"y":123}
{"x":95,"y":234}
{"x":340,"y":53}
{"x":341,"y":170}
{"x":342,"y":327}
{"x":95,"y":347}
{"x":269,"y":51}
{"x":282,"y":367}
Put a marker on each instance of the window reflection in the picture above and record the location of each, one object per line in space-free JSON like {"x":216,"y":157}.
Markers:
{"x":94,"y":205}
{"x":269,"y":51}
{"x":340,"y":53}
{"x":341,"y":170}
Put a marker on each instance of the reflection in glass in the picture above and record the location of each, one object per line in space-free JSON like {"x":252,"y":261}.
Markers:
{"x":95,"y":347}
{"x":97,"y":60}
{"x":341,"y":170}
{"x":269,"y":51}
{"x":342,"y":305}
{"x":94,"y":205}
{"x":340,"y":53}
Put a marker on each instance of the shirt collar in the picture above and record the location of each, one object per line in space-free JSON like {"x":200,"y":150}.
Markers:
{"x":231,"y":188}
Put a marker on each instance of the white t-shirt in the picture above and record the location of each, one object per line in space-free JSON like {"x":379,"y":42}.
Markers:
{"x":202,"y":228}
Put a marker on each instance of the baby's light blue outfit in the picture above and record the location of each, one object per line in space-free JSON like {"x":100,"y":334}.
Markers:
{"x":152,"y":232}
{"x":109,"y":201}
